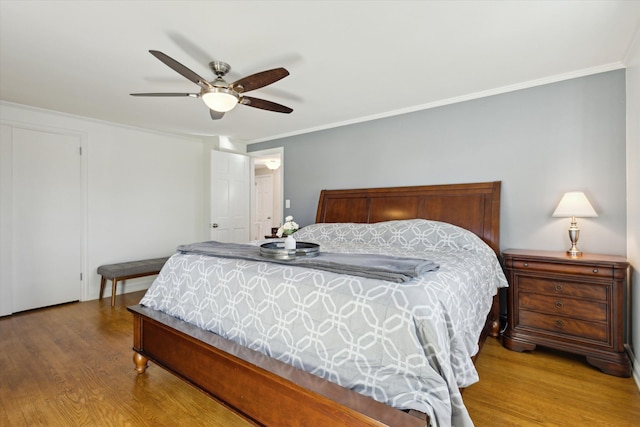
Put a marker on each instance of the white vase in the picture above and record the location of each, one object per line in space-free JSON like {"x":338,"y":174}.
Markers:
{"x":290,"y":242}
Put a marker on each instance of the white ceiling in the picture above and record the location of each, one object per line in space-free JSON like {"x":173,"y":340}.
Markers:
{"x":350,"y":61}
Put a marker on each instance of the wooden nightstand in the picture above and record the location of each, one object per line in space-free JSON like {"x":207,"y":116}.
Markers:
{"x":571,"y":304}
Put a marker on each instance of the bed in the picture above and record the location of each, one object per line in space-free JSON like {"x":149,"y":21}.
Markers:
{"x":267,"y":383}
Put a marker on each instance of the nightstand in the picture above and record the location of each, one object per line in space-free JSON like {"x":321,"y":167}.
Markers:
{"x":578,"y":305}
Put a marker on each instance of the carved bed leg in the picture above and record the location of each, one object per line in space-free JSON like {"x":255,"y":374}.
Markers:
{"x":140,"y":361}
{"x":494,"y":328}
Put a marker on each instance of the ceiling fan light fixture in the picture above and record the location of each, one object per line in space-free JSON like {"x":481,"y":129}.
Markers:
{"x":220,"y":99}
{"x":219,"y":95}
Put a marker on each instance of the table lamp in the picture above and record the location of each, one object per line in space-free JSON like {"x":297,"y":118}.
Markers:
{"x":574,"y":204}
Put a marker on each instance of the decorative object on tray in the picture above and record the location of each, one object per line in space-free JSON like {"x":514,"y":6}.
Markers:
{"x":290,"y":243}
{"x":288,"y":228}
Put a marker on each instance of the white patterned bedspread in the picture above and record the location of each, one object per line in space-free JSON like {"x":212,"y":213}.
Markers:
{"x":408,"y":345}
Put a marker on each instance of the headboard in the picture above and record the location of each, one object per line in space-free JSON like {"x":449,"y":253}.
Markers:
{"x":475,"y":207}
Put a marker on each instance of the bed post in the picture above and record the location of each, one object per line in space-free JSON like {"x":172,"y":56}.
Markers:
{"x":140,"y":361}
{"x":138,"y":358}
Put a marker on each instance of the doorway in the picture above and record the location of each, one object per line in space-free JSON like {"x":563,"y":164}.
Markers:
{"x":267,"y":191}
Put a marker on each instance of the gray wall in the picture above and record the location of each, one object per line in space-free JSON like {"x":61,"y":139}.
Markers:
{"x":540,"y":142}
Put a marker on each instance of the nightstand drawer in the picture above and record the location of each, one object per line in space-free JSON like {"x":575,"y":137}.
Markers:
{"x":582,"y":269}
{"x":562,"y":306}
{"x":559,"y":287}
{"x":563,"y":325}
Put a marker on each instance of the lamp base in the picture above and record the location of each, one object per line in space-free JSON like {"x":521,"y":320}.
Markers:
{"x":574,"y":234}
{"x":574,"y":253}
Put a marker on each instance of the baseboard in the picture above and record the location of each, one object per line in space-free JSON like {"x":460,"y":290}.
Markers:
{"x":124,"y":287}
{"x":635,"y":364}
{"x":139,"y":285}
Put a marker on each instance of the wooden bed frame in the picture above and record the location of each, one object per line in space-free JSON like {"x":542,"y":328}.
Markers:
{"x":272,"y":393}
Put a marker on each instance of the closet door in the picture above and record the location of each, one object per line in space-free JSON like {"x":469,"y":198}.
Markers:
{"x":47,"y":226}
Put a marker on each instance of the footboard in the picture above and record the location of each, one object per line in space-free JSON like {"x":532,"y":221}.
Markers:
{"x":264,"y":390}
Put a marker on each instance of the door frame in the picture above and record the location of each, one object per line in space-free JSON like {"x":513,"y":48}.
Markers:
{"x":270,"y":152}
{"x":6,"y":178}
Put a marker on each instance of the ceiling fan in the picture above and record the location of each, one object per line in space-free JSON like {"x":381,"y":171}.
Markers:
{"x":221,"y":96}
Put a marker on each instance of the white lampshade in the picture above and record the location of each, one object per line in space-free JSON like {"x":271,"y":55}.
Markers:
{"x":219,"y":99}
{"x":574,"y":204}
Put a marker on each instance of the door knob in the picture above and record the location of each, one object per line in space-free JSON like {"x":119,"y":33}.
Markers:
{"x":214,"y":225}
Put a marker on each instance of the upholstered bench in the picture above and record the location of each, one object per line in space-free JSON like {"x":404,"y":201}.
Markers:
{"x":128,"y":270}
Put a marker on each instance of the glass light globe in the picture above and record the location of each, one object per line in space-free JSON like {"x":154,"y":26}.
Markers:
{"x":220,"y":100}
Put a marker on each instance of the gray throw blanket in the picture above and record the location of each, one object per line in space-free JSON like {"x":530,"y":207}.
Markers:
{"x":382,"y":267}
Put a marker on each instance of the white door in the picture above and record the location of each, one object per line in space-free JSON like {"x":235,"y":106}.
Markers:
{"x":46,"y":236}
{"x":230,"y":197}
{"x":264,"y":205}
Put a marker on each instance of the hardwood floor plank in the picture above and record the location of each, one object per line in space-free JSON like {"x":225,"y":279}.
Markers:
{"x":548,"y":388}
{"x":72,"y":365}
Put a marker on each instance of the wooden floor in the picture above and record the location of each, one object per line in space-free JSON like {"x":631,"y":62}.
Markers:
{"x":548,"y":388}
{"x":71,"y":365}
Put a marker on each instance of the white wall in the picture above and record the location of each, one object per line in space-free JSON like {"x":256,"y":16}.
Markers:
{"x":144,"y":190}
{"x":633,"y":194}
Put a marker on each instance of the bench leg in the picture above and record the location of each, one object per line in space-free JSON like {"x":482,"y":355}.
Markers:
{"x":103,"y":281}
{"x":114,"y":282}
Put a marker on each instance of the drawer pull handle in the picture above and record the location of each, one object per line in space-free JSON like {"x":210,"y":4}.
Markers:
{"x":559,"y":304}
{"x":526,"y":264}
{"x":595,"y":270}
{"x":558,"y":287}
{"x":560,"y":324}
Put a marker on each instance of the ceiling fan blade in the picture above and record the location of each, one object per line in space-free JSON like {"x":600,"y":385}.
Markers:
{"x":194,"y":95}
{"x":215,"y":115}
{"x":258,"y":80}
{"x":265,"y":105}
{"x":180,"y":69}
